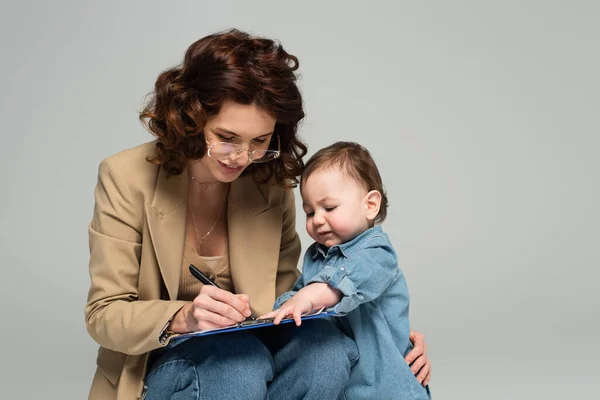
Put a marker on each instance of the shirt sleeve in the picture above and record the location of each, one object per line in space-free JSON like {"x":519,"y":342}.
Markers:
{"x":363,"y":276}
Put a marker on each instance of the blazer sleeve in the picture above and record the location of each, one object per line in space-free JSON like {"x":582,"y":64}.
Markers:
{"x":115,"y":317}
{"x":289,"y":251}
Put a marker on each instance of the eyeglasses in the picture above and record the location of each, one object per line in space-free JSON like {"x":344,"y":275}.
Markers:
{"x":225,"y":151}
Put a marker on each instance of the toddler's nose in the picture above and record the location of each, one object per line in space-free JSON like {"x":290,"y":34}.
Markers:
{"x":318,"y":219}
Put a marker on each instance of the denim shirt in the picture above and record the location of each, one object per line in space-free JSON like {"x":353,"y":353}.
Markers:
{"x":373,"y":311}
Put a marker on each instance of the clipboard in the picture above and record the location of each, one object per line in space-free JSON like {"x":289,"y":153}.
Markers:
{"x":253,"y":324}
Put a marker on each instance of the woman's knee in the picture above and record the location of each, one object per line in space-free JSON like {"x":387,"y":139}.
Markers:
{"x":171,"y":377}
{"x":223,"y":362}
{"x":247,"y":363}
{"x":327,"y":337}
{"x":328,"y":353}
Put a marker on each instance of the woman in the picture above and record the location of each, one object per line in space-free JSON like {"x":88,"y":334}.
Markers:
{"x":213,"y":190}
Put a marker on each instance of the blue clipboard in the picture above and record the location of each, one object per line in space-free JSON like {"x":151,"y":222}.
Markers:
{"x":259,"y":323}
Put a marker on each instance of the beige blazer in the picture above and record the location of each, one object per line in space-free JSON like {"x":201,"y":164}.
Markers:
{"x":136,"y":240}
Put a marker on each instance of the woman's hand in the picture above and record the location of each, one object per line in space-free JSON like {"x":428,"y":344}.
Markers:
{"x":212,"y":308}
{"x":417,"y":358}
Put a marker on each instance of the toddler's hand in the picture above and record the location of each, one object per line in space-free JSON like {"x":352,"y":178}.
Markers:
{"x":296,"y":306}
{"x":311,"y":297}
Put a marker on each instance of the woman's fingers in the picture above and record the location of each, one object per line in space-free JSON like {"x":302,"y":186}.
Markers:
{"x":425,"y":374}
{"x":207,"y":319}
{"x":418,"y":341}
{"x":419,"y":363}
{"x":214,"y":306}
{"x":417,"y":358}
{"x":224,"y":297}
{"x":244,"y":298}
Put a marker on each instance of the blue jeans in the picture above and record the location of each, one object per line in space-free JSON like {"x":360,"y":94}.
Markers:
{"x":312,"y":361}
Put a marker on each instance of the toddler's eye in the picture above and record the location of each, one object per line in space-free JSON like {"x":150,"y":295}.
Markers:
{"x":309,"y":214}
{"x":329,"y":209}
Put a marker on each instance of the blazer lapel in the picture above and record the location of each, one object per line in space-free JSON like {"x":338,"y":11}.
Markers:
{"x":254,"y":239}
{"x":166,"y":216}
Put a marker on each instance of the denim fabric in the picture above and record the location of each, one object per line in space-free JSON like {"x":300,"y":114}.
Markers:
{"x":312,"y":361}
{"x":374,"y":310}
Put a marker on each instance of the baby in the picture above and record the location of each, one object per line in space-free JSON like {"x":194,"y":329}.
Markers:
{"x":352,"y":269}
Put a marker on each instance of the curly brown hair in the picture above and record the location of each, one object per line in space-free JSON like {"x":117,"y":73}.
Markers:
{"x":227,"y":66}
{"x":356,"y":162}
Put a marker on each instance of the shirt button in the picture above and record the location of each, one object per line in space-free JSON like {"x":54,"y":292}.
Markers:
{"x":342,"y":268}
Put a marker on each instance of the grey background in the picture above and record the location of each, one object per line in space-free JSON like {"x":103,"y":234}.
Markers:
{"x":481,"y":115}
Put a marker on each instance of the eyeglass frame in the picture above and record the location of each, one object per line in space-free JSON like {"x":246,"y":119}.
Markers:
{"x":250,"y":152}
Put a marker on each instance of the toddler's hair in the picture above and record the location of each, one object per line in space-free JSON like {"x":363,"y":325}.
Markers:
{"x":355,"y":161}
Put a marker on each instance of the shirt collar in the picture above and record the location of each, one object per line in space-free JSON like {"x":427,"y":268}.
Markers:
{"x":344,"y":248}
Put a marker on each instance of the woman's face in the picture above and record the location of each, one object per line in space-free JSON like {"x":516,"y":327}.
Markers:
{"x":246,"y":125}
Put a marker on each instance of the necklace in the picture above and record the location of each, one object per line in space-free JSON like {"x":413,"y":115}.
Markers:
{"x":197,"y":234}
{"x":204,"y":184}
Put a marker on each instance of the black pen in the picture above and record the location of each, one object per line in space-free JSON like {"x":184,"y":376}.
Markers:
{"x":207,"y":281}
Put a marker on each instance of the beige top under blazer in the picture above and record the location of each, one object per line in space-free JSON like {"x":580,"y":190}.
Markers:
{"x":136,"y":240}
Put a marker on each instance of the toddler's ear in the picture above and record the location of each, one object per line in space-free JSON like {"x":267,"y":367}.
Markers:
{"x":373,"y":202}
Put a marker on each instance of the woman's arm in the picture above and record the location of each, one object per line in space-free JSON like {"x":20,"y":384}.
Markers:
{"x":115,"y":317}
